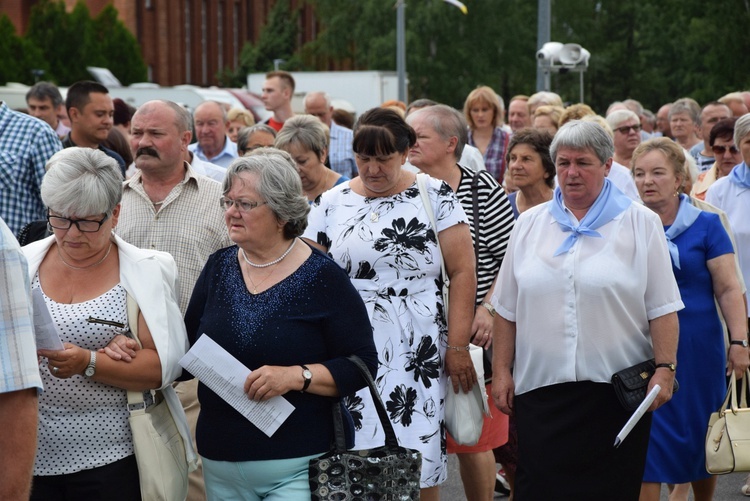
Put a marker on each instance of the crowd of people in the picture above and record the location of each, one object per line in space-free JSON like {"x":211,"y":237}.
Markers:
{"x":575,"y":245}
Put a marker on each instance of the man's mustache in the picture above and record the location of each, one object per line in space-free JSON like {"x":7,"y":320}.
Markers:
{"x":147,"y":151}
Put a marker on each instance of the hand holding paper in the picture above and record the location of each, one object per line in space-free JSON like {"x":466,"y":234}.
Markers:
{"x":637,"y":415}
{"x":225,"y":375}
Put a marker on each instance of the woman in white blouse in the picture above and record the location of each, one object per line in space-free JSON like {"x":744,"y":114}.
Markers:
{"x":84,"y":274}
{"x":585,"y":290}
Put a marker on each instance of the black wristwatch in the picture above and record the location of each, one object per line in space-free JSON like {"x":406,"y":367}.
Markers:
{"x":670,"y":366}
{"x":742,"y":343}
{"x":307,"y":375}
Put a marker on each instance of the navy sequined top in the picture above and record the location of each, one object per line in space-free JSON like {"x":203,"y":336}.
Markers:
{"x":314,"y":315}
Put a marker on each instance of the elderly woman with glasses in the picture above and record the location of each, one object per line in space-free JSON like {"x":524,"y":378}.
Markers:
{"x":85,"y":274}
{"x":289,"y":314}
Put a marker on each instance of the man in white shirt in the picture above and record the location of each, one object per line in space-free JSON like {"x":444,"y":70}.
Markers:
{"x":211,"y":124}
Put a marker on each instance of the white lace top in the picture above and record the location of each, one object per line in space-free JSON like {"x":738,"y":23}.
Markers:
{"x":82,"y":424}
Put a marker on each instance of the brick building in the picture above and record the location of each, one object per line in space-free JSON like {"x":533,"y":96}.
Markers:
{"x":184,"y":41}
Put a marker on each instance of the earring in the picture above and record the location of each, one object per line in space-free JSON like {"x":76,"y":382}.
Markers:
{"x":49,"y":227}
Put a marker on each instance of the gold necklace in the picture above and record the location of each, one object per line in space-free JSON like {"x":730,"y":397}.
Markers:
{"x":84,"y":267}
{"x":255,"y":287}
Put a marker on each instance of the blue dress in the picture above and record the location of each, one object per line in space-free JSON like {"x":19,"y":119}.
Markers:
{"x":676,"y":449}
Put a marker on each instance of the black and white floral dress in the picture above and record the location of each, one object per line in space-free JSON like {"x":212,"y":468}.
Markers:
{"x":389,"y":249}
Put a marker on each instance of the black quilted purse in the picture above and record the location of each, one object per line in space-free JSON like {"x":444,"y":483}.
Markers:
{"x":631,"y":384}
{"x":390,"y":472}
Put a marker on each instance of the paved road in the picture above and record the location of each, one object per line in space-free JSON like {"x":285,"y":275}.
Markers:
{"x":728,"y":487}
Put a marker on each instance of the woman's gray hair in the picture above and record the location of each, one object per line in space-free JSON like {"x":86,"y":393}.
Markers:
{"x":583,"y":135}
{"x":447,"y":122}
{"x":617,"y":117}
{"x":243,"y":136}
{"x":279,"y":186}
{"x":306,"y":131}
{"x":82,"y":182}
{"x":741,"y":128}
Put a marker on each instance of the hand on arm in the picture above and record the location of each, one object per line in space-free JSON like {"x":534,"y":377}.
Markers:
{"x":121,"y":348}
{"x":140,"y":373}
{"x":458,"y":255}
{"x":664,"y":335}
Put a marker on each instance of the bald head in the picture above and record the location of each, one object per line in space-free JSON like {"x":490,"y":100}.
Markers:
{"x":182,"y":118}
{"x":211,"y":124}
{"x":318,"y":104}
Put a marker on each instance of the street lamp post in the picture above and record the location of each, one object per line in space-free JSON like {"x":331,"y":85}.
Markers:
{"x":401,"y":49}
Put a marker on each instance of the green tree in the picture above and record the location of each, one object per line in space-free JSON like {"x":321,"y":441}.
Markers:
{"x":72,"y":41}
{"x":651,"y":50}
{"x":17,"y":56}
{"x":119,"y":50}
{"x":66,"y":40}
{"x":278,"y":40}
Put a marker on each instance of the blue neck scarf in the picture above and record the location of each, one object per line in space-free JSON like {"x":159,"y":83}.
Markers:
{"x":610,"y":203}
{"x":686,"y":216}
{"x":740,"y":175}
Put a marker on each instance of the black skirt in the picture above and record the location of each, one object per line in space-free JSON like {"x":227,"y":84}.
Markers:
{"x":566,"y":436}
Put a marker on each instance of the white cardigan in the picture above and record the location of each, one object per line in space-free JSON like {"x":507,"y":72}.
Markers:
{"x":150,"y":277}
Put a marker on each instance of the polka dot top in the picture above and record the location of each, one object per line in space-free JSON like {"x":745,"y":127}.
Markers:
{"x":82,"y":424}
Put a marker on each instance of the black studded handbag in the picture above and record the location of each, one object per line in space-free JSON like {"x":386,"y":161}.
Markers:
{"x":630,"y":384}
{"x":390,"y":472}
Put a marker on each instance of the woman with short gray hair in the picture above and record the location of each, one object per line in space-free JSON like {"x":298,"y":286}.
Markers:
{"x":601,"y":263}
{"x":278,"y":186}
{"x":84,"y":274}
{"x":306,"y":139}
{"x":289,"y":314}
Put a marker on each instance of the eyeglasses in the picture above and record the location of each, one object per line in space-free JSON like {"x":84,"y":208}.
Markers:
{"x":720,"y":150}
{"x":626,"y":129}
{"x":83,"y":225}
{"x":241,"y":204}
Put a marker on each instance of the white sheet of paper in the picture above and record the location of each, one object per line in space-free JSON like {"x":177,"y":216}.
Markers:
{"x":225,"y":375}
{"x":637,"y":415}
{"x":45,"y":330}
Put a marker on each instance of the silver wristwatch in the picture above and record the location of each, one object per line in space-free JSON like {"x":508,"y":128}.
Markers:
{"x":91,"y":368}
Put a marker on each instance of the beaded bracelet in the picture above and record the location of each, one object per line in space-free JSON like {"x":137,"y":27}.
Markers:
{"x":459,"y":348}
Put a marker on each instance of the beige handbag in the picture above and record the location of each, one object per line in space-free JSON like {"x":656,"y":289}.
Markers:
{"x":728,"y":436}
{"x":159,"y":449}
{"x":464,"y":412}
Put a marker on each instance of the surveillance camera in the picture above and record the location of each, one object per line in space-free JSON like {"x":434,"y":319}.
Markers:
{"x":549,"y":51}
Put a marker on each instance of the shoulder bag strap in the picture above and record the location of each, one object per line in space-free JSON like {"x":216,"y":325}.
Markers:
{"x":136,"y":402}
{"x":475,"y":213}
{"x":422,"y":185}
{"x":391,"y":441}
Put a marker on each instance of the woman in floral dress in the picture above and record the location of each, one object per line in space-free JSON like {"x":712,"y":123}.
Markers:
{"x":376,"y":228}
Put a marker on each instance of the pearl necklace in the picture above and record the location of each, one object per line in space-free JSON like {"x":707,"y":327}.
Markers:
{"x":84,"y":267}
{"x":270,"y":263}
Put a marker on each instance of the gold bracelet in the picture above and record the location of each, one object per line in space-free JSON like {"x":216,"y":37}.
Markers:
{"x":459,"y":348}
